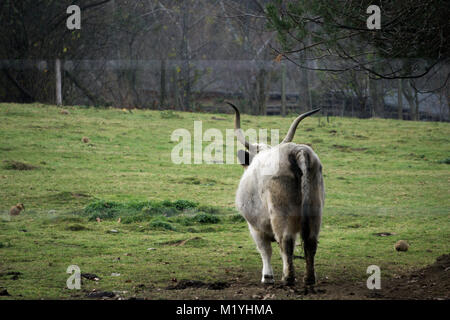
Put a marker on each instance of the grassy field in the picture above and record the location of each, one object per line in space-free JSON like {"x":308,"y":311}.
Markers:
{"x":380,"y":176}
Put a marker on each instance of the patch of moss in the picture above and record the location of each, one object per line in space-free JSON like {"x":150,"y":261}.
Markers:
{"x":206,"y":218}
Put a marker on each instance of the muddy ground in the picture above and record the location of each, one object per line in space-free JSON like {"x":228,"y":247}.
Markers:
{"x":430,"y":283}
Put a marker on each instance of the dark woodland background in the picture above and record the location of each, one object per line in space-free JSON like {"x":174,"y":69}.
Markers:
{"x":270,"y":57}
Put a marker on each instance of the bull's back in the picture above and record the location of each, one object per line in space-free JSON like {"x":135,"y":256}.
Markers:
{"x":263,"y":187}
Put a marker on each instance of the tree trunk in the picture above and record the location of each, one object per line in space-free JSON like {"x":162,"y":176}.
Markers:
{"x":416,"y":103}
{"x":305,"y":100}
{"x":186,"y":60}
{"x":91,"y":96}
{"x":253,"y":99}
{"x":407,"y":91}
{"x":162,"y":99}
{"x":176,"y":89}
{"x":283,"y":89}
{"x":400,"y":100}
{"x":373,"y":100}
{"x":380,"y":97}
{"x":376,"y":97}
{"x":262,"y":92}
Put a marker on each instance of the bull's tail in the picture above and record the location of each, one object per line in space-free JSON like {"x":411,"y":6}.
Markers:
{"x":311,"y":188}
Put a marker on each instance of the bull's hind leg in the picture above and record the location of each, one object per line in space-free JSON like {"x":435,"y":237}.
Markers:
{"x":284,"y":230}
{"x":310,"y":248}
{"x":287,"y":244}
{"x":264,"y":245}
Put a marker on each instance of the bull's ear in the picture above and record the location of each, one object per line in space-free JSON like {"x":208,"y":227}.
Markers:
{"x":244,"y":158}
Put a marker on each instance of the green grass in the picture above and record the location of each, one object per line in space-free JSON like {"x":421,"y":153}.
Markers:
{"x":380,"y":176}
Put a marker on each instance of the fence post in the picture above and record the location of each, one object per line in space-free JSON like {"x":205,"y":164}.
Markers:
{"x":58,"y":82}
{"x":400,"y":100}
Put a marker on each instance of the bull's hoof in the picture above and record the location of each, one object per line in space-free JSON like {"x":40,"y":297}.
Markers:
{"x":289,"y":281}
{"x":310,"y":280}
{"x":267,"y":279}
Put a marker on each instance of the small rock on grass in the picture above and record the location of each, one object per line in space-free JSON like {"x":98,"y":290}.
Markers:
{"x":401,"y":245}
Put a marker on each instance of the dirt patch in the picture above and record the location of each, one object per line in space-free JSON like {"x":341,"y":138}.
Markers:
{"x":90,"y":276}
{"x":238,"y":290}
{"x":16,"y":165}
{"x":358,"y":136}
{"x":76,"y":227}
{"x":185,"y":284}
{"x":429,"y":283}
{"x":101,"y":294}
{"x":218,"y":285}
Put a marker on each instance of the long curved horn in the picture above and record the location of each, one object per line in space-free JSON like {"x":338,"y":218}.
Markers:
{"x":293,"y":128}
{"x":237,"y":127}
